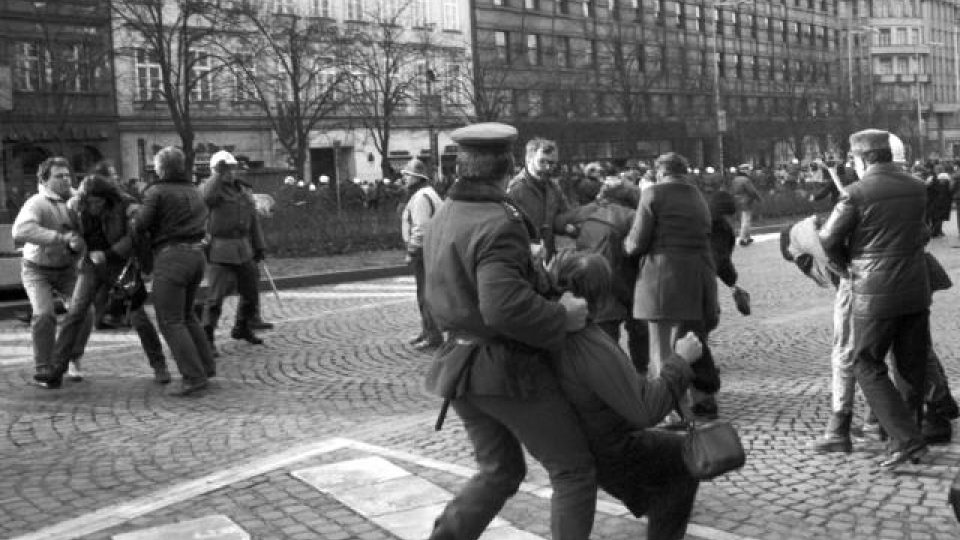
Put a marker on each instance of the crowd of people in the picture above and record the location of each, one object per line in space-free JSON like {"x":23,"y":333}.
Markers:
{"x":525,"y":329}
{"x":99,"y":238}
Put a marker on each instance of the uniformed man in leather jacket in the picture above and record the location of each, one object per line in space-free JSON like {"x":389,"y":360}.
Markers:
{"x":495,"y":367}
{"x":236,"y":246}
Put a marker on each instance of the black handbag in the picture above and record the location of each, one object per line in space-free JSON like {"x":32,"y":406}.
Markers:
{"x":710,"y":449}
{"x":742,"y":300}
{"x":128,"y":291}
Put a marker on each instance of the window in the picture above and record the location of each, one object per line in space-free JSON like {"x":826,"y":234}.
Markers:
{"x":885,"y":66}
{"x":589,"y":8}
{"x":654,"y":55}
{"x":738,"y":66}
{"x":563,"y":51}
{"x":883,"y":37}
{"x":419,"y":13}
{"x":148,"y":75}
{"x":451,"y":15}
{"x":27,"y":75}
{"x":354,"y":10}
{"x":531,"y":4}
{"x":901,"y":36}
{"x":718,"y":18}
{"x":502,"y":43}
{"x":500,"y":3}
{"x":202,"y":79}
{"x":533,"y":50}
{"x":285,"y":7}
{"x":700,"y":18}
{"x":679,"y":21}
{"x":454,"y":88}
{"x":592,"y":56}
{"x":661,"y":12}
{"x":563,"y":7}
{"x":244,"y":86}
{"x":323,"y":8}
{"x":535,"y":103}
{"x":903,"y":64}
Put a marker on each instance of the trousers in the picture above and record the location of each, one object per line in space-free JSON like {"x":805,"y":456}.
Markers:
{"x":221,"y":279}
{"x":40,"y":284}
{"x":548,"y":428}
{"x":429,"y":328}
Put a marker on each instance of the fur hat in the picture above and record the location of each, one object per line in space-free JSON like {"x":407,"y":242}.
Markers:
{"x":868,"y":140}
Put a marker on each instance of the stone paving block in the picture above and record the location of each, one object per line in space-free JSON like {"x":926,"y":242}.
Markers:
{"x":205,"y":528}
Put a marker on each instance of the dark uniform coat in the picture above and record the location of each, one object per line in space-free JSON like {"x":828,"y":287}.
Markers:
{"x":480,"y":286}
{"x":234,"y":228}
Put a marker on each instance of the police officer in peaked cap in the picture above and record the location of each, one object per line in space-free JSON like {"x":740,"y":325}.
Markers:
{"x":494,"y":367}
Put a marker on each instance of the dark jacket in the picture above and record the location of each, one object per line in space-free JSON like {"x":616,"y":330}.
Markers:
{"x":544,"y":205}
{"x":677,"y":278}
{"x":603,"y":226}
{"x":233,"y":226}
{"x":744,"y":192}
{"x":111,"y":225}
{"x":173,"y":212}
{"x":480,"y":286}
{"x":877,"y":230}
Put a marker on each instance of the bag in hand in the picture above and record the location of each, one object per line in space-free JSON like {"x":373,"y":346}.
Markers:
{"x":939,"y":279}
{"x":128,"y":292}
{"x":709,"y":449}
{"x":742,"y":299}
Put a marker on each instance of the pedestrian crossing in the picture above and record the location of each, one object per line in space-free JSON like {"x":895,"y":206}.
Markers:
{"x":16,"y":346}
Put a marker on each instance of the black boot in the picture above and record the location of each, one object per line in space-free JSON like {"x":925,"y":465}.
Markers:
{"x":244,"y":333}
{"x":936,"y":429}
{"x":837,"y":436}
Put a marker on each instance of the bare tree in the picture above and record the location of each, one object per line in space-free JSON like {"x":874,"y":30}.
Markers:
{"x":176,"y":36}
{"x":484,"y":89}
{"x":289,"y":67}
{"x":381,"y":72}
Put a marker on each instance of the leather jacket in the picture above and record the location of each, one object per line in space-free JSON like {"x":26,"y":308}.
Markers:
{"x":173,"y":212}
{"x":878,"y":232}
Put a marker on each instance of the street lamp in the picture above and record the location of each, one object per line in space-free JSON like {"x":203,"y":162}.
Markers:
{"x":721,"y":117}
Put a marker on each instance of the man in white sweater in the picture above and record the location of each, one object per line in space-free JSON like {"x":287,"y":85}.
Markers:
{"x":49,"y":231}
{"x":418,"y":212}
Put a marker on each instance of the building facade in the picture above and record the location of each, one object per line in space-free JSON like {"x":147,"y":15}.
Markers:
{"x":905,"y":72}
{"x":227,"y":113}
{"x":57,"y":92}
{"x":616,"y":79}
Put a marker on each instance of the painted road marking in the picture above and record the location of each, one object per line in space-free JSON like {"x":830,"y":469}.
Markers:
{"x":119,"y":514}
{"x":216,"y":527}
{"x":388,"y":495}
{"x":375,"y":287}
{"x":352,"y":294}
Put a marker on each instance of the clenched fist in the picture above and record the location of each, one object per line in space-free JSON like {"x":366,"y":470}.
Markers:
{"x":576,"y":311}
{"x":689,"y":347}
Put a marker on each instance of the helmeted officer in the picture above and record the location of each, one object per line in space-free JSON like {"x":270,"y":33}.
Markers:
{"x":495,"y":367}
{"x":236,"y":246}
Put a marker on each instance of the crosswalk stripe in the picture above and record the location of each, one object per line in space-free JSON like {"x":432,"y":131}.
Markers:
{"x":320,"y":295}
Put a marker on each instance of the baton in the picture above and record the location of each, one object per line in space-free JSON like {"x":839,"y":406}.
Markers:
{"x":273,"y":284}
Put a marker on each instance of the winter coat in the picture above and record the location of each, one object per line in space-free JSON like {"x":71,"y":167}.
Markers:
{"x":544,"y":205}
{"x":173,"y":212}
{"x":878,"y":232}
{"x":677,"y":277}
{"x":233,"y":226}
{"x":40,"y":226}
{"x":481,"y":287}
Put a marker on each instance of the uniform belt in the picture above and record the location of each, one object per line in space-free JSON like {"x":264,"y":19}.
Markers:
{"x":191,"y":246}
{"x":461,"y":337}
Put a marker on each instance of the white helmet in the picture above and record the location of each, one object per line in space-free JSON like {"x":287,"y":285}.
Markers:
{"x":709,"y":170}
{"x":313,"y":187}
{"x":289,"y":181}
{"x":324,"y":179}
{"x":356,"y":181}
{"x":898,"y":150}
{"x":301,"y":183}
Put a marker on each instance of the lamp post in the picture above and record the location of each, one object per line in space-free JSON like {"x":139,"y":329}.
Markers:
{"x":721,"y":116}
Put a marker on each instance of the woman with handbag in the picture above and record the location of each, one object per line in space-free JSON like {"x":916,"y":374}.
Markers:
{"x":644,"y":468}
{"x":103,"y":209}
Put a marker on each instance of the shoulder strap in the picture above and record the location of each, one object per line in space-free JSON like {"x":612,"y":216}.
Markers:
{"x":430,"y":202}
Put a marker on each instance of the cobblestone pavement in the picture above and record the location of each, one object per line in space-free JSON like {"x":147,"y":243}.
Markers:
{"x":336,"y":382}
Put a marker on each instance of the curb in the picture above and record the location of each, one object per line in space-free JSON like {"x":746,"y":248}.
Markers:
{"x":8,"y":309}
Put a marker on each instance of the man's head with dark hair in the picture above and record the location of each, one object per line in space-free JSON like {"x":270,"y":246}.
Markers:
{"x":672,"y":164}
{"x":541,"y":157}
{"x":584,"y":274}
{"x":54,"y":174}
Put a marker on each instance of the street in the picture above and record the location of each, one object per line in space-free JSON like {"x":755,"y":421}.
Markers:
{"x":325,"y":431}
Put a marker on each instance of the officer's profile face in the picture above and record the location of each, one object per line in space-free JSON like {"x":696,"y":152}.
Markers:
{"x":542,"y":163}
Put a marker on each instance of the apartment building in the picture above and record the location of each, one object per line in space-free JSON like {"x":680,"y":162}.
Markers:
{"x":630,"y":78}
{"x":909,"y":75}
{"x":56,"y":90}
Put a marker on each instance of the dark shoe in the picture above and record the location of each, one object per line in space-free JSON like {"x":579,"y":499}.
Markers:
{"x":103,"y":325}
{"x":417,"y":339}
{"x":48,"y":382}
{"x":259,"y":324}
{"x":184,"y":389}
{"x":706,"y":409}
{"x":161,"y":375}
{"x":837,"y":436}
{"x":246,"y":335}
{"x":427,"y":344}
{"x":912,"y":453}
{"x":946,"y":407}
{"x":936,"y":430}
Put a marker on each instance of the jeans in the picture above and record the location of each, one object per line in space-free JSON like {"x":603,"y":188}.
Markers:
{"x":908,"y":335}
{"x":429,"y":329}
{"x":843,"y":382}
{"x":549,"y":429}
{"x":41,"y":283}
{"x":222,"y":277}
{"x":177,"y":272}
{"x":72,"y":340}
